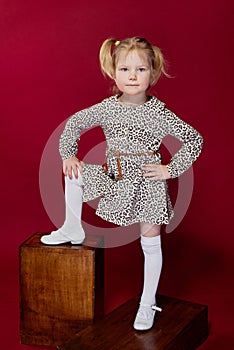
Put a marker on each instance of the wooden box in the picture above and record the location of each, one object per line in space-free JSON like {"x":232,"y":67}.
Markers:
{"x":61,"y":289}
{"x":181,"y":325}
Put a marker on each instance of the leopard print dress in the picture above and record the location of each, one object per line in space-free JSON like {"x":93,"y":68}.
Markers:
{"x":137,"y":133}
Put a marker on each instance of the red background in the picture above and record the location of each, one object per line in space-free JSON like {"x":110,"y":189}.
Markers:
{"x":49,"y":69}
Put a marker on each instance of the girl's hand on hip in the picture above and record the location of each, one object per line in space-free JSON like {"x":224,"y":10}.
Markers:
{"x":156,"y":172}
{"x":71,"y":165}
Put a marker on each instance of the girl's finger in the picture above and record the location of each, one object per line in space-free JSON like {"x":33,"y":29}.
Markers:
{"x":75,"y":171}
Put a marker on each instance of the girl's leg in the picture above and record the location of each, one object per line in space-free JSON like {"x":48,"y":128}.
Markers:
{"x":72,"y":230}
{"x":151,"y":246}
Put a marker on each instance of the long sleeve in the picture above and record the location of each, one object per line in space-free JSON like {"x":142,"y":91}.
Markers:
{"x":84,"y":119}
{"x":192,"y":143}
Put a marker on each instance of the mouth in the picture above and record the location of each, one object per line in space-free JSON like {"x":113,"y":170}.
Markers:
{"x":132,"y":84}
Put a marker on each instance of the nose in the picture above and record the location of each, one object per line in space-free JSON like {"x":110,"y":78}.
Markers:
{"x":132,"y":75}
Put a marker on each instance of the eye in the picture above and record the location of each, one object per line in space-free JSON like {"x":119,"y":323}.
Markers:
{"x":123,"y":69}
{"x":142,"y":69}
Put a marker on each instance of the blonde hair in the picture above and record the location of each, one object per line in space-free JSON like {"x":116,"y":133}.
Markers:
{"x":111,"y":48}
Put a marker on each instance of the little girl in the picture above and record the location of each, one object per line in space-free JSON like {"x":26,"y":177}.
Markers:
{"x":132,"y":183}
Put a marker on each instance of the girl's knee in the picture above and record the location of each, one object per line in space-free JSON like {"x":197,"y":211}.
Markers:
{"x":150,"y":230}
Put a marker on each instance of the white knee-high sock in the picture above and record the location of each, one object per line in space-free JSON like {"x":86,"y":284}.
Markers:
{"x":72,"y":227}
{"x":151,"y":247}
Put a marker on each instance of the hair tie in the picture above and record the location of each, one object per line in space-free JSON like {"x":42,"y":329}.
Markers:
{"x":117,"y":42}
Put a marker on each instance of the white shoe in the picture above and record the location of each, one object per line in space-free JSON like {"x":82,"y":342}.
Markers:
{"x":56,"y":237}
{"x":145,"y":317}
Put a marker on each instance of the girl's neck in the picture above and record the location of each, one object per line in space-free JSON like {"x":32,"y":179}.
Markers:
{"x":132,"y":100}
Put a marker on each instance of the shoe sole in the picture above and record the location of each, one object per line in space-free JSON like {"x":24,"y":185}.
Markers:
{"x":63,"y":242}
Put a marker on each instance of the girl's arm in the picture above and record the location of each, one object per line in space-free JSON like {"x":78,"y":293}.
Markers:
{"x":192,"y":143}
{"x":81,"y":120}
{"x":68,"y":144}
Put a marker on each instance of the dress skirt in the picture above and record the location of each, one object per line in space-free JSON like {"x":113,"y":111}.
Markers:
{"x":132,"y":199}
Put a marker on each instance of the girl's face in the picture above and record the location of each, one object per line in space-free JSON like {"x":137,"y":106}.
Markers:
{"x":132,"y":74}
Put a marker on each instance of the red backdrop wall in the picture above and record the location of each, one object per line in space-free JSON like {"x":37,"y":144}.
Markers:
{"x":49,"y":70}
